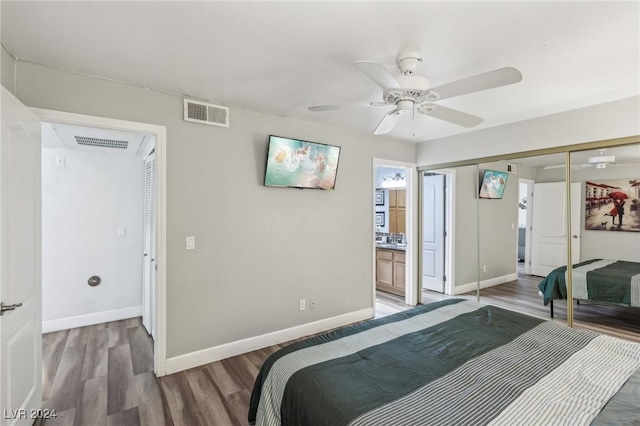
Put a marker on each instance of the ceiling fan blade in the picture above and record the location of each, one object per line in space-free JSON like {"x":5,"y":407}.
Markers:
{"x":556,"y":166}
{"x":378,"y":74}
{"x":561,"y":166}
{"x":488,"y":80}
{"x":319,"y":108}
{"x":388,"y":122}
{"x":628,"y":161}
{"x":451,"y":115}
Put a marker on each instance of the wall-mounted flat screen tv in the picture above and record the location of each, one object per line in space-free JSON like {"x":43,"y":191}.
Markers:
{"x":493,"y":184}
{"x":294,"y":163}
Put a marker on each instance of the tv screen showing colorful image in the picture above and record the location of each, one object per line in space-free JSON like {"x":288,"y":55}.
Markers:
{"x":294,"y":163}
{"x":493,"y":184}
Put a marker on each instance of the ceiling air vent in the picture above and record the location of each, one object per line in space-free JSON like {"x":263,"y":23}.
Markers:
{"x":511,"y":168}
{"x":101,"y":143}
{"x":204,"y":113}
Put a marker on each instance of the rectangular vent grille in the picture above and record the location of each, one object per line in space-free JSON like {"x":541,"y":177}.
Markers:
{"x":102,"y":143}
{"x":511,"y":168}
{"x":204,"y":113}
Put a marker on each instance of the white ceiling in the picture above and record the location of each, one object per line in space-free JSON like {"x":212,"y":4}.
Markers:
{"x":282,"y":57}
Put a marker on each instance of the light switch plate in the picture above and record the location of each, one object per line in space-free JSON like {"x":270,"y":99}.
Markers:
{"x":191,"y":243}
{"x":122,"y":231}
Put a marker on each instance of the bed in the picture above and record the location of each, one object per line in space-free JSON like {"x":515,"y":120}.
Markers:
{"x":599,"y":280}
{"x":451,"y":362}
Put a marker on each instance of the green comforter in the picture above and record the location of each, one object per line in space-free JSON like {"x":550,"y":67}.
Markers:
{"x":617,"y":282}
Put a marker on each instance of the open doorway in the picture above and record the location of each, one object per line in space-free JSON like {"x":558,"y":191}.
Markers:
{"x":105,"y":179}
{"x":97,"y":198}
{"x":394,"y":232}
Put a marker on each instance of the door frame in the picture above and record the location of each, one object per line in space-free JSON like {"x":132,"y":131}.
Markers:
{"x":160,"y":133}
{"x":411,"y":294}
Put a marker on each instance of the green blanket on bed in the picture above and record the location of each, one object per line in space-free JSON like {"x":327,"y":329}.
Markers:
{"x":611,"y":283}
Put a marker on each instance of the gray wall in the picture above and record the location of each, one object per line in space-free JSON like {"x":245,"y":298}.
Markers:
{"x":7,"y":70}
{"x":258,"y":249}
{"x":466,"y":225}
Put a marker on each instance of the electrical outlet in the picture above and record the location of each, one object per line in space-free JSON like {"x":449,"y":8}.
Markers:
{"x":312,"y":303}
{"x":302,"y":304}
{"x":484,"y":268}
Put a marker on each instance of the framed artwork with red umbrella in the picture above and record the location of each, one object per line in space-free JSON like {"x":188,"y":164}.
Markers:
{"x":612,"y":205}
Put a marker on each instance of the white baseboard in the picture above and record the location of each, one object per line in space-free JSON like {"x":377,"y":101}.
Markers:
{"x":465,"y":288}
{"x":227,"y":350}
{"x":90,"y":319}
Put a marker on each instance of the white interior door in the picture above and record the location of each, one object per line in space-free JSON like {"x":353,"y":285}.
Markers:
{"x":433,"y":232}
{"x":549,"y":233}
{"x":20,"y":263}
{"x":149,"y":255}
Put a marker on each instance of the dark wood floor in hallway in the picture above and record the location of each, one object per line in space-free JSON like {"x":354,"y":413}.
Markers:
{"x":103,"y":374}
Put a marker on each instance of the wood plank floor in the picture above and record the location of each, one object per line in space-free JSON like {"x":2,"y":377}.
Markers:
{"x":103,"y":374}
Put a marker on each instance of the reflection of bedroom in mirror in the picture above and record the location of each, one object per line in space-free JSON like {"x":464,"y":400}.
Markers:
{"x":606,"y":283}
{"x":606,"y":279}
{"x":519,"y":242}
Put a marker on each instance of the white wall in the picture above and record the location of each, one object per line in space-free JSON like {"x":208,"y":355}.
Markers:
{"x":84,"y":202}
{"x":258,"y":249}
{"x":598,"y":122}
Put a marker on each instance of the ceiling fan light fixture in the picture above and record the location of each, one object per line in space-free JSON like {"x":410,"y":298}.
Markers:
{"x":404,"y":106}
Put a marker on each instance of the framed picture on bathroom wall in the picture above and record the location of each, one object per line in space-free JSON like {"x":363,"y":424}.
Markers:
{"x":380,"y":219}
{"x":379,"y":198}
{"x":612,"y":205}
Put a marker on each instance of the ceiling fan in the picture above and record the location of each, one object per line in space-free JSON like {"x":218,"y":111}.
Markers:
{"x":409,"y":93}
{"x":600,"y":161}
